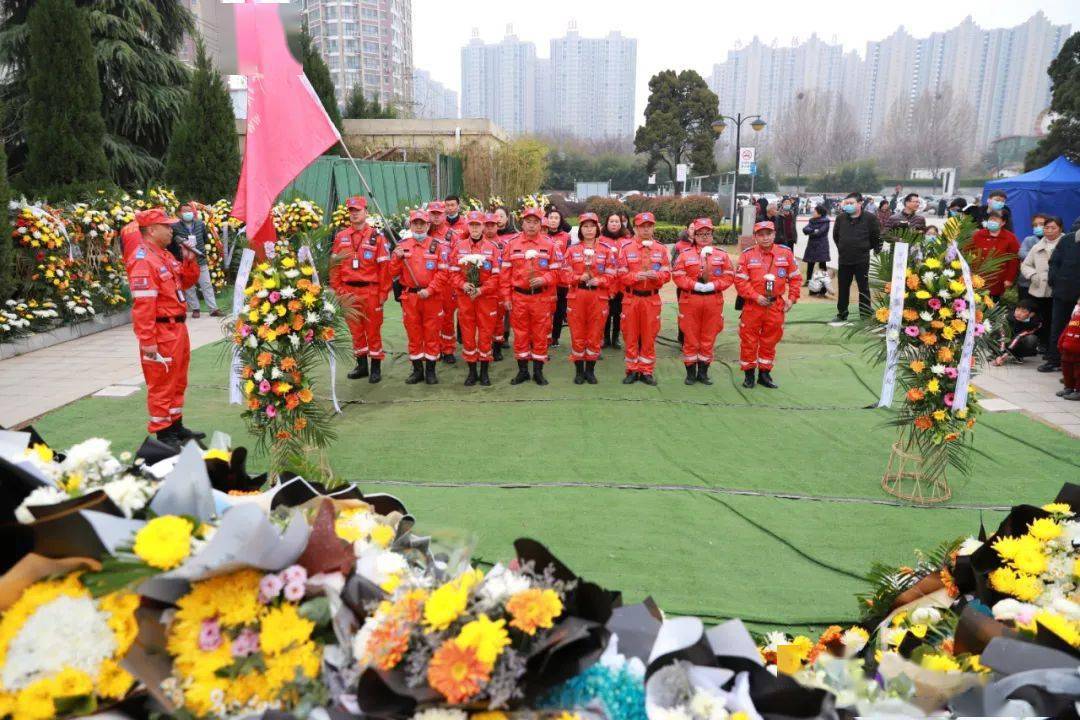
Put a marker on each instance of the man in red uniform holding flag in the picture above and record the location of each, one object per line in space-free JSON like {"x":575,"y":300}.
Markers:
{"x":360,"y":273}
{"x":768,"y":281}
{"x":475,"y":264}
{"x":530,"y":269}
{"x":442,"y":231}
{"x":644,"y":268}
{"x":420,"y":262}
{"x":158,"y":310}
{"x":702,"y":272}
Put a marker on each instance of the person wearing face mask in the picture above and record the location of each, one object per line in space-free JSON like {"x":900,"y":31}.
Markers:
{"x":785,"y":225}
{"x":702,"y":272}
{"x":559,"y":231}
{"x":908,"y":218}
{"x":956,"y":207}
{"x":191,"y":232}
{"x":531,"y":266}
{"x":994,"y":241}
{"x":1022,"y":283}
{"x":644,"y":268}
{"x":615,"y":234}
{"x":455,"y":220}
{"x":476,"y":301}
{"x":1035,"y":271}
{"x":995,"y":202}
{"x":855,"y":233}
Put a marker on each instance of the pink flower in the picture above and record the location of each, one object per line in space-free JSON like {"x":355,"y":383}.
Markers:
{"x":949,"y":397}
{"x":980,"y":329}
{"x":934,"y":303}
{"x":246,"y":643}
{"x":274,"y":297}
{"x":959,"y":304}
{"x":294,"y":592}
{"x":245,"y":330}
{"x":951,"y":373}
{"x":209,"y":635}
{"x":271,"y":411}
{"x":911,"y":331}
{"x":294,"y":574}
{"x":264,"y":387}
{"x":270,"y":586}
{"x":309,"y":336}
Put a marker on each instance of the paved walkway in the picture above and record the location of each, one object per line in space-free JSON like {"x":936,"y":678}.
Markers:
{"x":1019,"y":388}
{"x":106,"y":362}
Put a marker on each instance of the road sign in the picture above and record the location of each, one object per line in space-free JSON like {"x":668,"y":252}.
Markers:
{"x":746,"y":158}
{"x":753,"y":168}
{"x":652,"y":179}
{"x":680,"y":172}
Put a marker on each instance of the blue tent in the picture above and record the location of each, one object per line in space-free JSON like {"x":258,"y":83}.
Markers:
{"x":1053,"y":189}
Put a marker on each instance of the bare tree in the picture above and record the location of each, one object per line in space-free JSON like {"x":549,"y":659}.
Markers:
{"x":801,"y":131}
{"x":893,"y":145}
{"x":940,"y":125}
{"x":843,"y":142}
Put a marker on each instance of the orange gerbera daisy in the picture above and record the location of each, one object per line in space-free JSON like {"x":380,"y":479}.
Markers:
{"x":328,"y":334}
{"x":915,"y":394}
{"x":910,"y":315}
{"x":248,"y":371}
{"x":387,"y":645}
{"x":283,"y":435}
{"x":306,"y":395}
{"x":297,"y":322}
{"x":534,"y":608}
{"x":300,"y":424}
{"x":912,"y":281}
{"x":923,"y":422}
{"x":288,"y":363}
{"x":264,"y":359}
{"x":296,"y":305}
{"x":292,"y":401}
{"x":945,"y":354}
{"x":928,"y":338}
{"x":456,"y":672}
{"x":253,"y":403}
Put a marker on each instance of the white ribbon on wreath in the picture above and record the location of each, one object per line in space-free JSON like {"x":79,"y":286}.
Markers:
{"x":892,"y":329}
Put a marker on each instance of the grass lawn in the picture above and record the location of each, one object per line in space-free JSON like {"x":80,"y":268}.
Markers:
{"x":716,"y":501}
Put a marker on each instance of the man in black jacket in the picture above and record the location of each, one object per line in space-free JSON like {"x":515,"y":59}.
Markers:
{"x":994,"y":201}
{"x":192,"y":233}
{"x":1064,"y":279}
{"x":855,"y":233}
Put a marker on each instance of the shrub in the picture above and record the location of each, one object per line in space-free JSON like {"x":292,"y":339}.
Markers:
{"x":691,"y":207}
{"x":665,"y":208}
{"x":668,"y":233}
{"x":566,"y":207}
{"x":604,"y":207}
{"x":641,"y":203}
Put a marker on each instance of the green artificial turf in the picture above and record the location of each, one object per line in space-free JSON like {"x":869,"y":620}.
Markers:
{"x":716,"y":500}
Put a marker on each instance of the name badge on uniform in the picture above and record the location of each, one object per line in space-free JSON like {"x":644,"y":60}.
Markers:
{"x":180,"y":296}
{"x":356,"y":263}
{"x":781,"y":272}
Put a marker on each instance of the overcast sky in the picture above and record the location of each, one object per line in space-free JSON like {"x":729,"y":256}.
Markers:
{"x":683,"y":34}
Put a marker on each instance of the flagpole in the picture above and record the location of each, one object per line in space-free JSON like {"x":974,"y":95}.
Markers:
{"x":362,"y":178}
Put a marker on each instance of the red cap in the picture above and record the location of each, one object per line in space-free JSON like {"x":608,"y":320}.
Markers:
{"x":154,"y":216}
{"x":764,"y":225}
{"x":436,"y":206}
{"x":532,"y":212}
{"x":644,"y":217}
{"x":588,"y":217}
{"x":419,"y":215}
{"x":491,"y":218}
{"x":701,"y":224}
{"x":475,"y":216}
{"x":356,"y":202}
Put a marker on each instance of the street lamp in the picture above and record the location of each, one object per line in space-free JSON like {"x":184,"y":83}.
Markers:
{"x":718,"y":126}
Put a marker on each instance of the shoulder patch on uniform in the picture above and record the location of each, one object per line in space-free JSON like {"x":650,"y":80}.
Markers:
{"x":140,"y":253}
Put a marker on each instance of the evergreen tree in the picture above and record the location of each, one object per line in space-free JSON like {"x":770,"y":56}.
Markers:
{"x":356,"y":108}
{"x":203,"y":161}
{"x":1064,"y":135}
{"x":64,"y":127}
{"x":143,"y":83}
{"x":7,"y":245}
{"x":318,"y":74}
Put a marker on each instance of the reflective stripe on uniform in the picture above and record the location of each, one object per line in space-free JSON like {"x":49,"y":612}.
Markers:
{"x":143,"y":293}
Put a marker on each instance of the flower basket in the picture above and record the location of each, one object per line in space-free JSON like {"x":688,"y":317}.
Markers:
{"x":907,"y":477}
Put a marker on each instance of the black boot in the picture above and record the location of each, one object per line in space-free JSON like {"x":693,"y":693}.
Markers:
{"x":376,"y":371}
{"x":449,"y":358}
{"x":538,"y":373}
{"x":691,"y":375}
{"x":648,"y":379}
{"x":417,"y":373}
{"x":590,"y":372}
{"x":579,"y":372}
{"x":471,"y":379}
{"x":703,"y":373}
{"x":496,"y":351}
{"x":187,"y":433}
{"x":631,"y":378}
{"x":171,"y":437}
{"x":748,"y":381}
{"x":429,"y":373}
{"x":360,"y":371}
{"x":764,"y":378}
{"x":484,"y":379}
{"x":523,"y":373}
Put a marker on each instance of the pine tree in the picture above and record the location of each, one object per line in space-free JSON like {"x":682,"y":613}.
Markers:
{"x":356,"y":108}
{"x":203,"y":161}
{"x":64,"y":127}
{"x":7,"y":245}
{"x":318,"y":74}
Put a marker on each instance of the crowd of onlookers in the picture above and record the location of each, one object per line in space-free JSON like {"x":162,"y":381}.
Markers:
{"x":1039,"y":276}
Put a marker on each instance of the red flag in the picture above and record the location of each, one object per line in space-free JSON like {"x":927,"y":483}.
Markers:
{"x":287,"y":126}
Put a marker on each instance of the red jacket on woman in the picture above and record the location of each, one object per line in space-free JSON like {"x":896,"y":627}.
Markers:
{"x":985,"y":245}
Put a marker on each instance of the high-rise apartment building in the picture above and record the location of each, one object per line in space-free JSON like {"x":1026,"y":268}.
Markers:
{"x":498,"y":82}
{"x":589,"y":74}
{"x":366,"y":43}
{"x":431,"y":99}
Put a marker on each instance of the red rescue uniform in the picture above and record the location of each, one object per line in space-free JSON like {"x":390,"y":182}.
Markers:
{"x":424,"y":264}
{"x":477,"y":316}
{"x":458,"y":225}
{"x":530,"y":308}
{"x":447,"y":331}
{"x":641,"y":302}
{"x":701,"y":312}
{"x":762,"y":327}
{"x":361,"y":273}
{"x":590,"y":271}
{"x":158,"y":310}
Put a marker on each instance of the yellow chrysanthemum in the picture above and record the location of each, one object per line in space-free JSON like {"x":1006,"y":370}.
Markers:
{"x":121,"y":608}
{"x":1067,"y":630}
{"x":164,"y":542}
{"x":283,"y":628}
{"x":485,"y":636}
{"x":882,"y":314}
{"x":1058,"y":508}
{"x":382,"y":535}
{"x":1030,"y":562}
{"x":446,"y":604}
{"x":939,"y":663}
{"x":113,"y":681}
{"x":1044,"y":529}
{"x":35,"y":702}
{"x":533,"y":609}
{"x":922,"y":295}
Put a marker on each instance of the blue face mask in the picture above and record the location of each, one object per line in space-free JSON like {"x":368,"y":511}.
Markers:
{"x":993,"y":226}
{"x":850,"y":208}
{"x":1037,"y":231}
{"x":954,"y":213}
{"x":997,"y":205}
{"x":187,"y":216}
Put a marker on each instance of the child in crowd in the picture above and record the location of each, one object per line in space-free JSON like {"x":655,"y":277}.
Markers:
{"x":1025,"y":322}
{"x":1069,"y":347}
